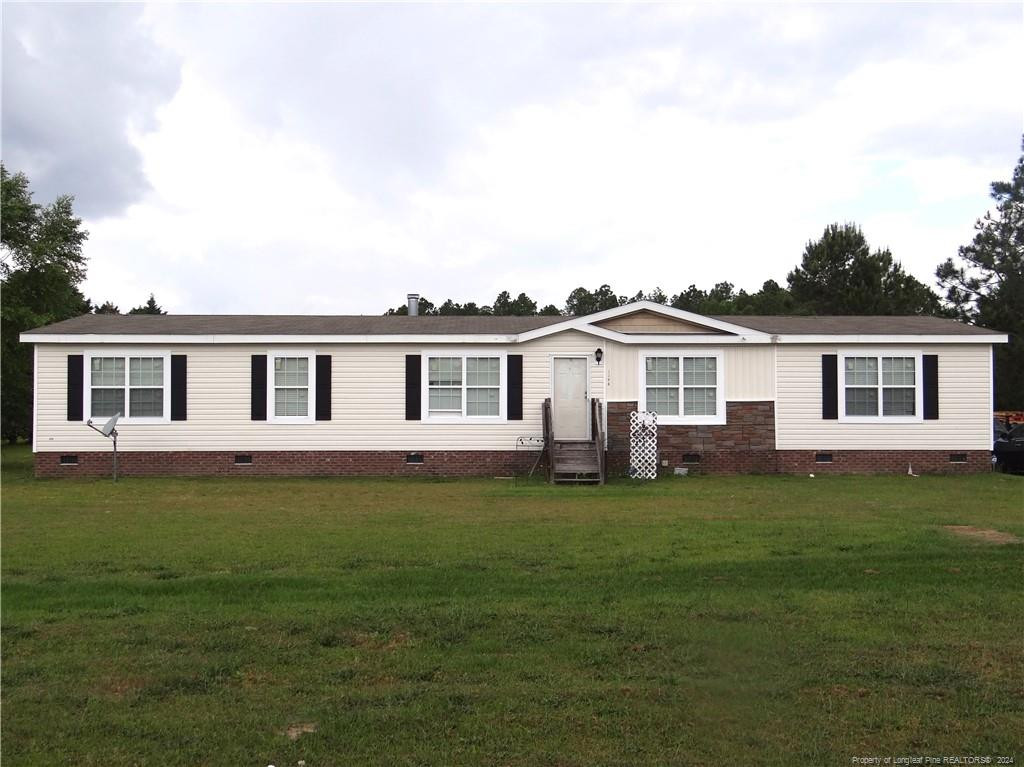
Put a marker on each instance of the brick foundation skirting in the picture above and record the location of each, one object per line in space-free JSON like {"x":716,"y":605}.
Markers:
{"x":745,"y":444}
{"x":307,"y":463}
{"x":885,"y":462}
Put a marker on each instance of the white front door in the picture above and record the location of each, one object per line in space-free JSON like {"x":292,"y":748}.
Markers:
{"x":570,"y":403}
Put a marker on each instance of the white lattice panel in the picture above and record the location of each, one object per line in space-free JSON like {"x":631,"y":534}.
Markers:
{"x":643,"y":445}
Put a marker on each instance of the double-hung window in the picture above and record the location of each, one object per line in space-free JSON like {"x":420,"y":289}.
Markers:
{"x":291,"y":384}
{"x":683,"y":388}
{"x":881,"y":387}
{"x":464,"y":386}
{"x":135,"y":386}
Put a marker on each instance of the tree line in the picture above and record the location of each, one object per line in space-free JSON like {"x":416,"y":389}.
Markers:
{"x":838,"y":274}
{"x":42,"y":267}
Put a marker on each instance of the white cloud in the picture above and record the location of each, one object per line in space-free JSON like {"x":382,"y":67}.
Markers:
{"x":324,"y":159}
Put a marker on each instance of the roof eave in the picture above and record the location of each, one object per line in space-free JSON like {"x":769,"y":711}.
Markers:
{"x":675,"y":339}
{"x":265,"y":338}
{"x":892,"y":338}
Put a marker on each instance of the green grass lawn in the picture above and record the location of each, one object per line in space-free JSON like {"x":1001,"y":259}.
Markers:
{"x":745,"y":620}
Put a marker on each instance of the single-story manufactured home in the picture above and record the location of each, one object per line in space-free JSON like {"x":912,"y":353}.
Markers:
{"x":457,"y":396}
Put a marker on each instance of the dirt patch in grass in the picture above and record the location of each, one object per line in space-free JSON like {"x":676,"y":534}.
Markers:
{"x":118,"y":688}
{"x":295,"y":731}
{"x":986,"y":535}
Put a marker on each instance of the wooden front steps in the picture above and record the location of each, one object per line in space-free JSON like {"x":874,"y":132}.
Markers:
{"x":576,"y":462}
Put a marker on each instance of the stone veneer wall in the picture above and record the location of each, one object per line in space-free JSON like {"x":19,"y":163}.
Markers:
{"x":745,"y":444}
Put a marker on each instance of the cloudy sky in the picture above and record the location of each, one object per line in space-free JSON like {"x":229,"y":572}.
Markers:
{"x":310,"y":158}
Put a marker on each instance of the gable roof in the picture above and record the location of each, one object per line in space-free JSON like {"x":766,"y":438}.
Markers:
{"x":646,"y":321}
{"x":765,"y":329}
{"x":202,"y":328}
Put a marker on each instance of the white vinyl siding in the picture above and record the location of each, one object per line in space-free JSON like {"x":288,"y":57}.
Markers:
{"x":965,"y":401}
{"x":368,"y":393}
{"x":749,"y":373}
{"x":368,"y":401}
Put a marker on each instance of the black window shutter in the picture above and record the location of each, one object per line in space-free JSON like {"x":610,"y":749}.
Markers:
{"x":412,"y":387}
{"x":323,"y":387}
{"x":259,"y":387}
{"x":76,"y":367}
{"x":829,"y":387}
{"x":930,"y":381}
{"x":514,"y":409}
{"x":179,"y":382}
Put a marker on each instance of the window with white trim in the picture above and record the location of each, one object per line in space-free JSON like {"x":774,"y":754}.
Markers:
{"x":134,"y":386}
{"x":877,"y":386}
{"x":291,"y":387}
{"x":683,"y":388}
{"x":463,"y":386}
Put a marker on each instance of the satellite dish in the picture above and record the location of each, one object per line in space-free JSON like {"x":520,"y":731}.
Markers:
{"x":109,"y":425}
{"x":109,"y":431}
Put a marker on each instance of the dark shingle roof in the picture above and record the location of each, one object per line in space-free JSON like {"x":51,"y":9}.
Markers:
{"x":302,"y":324}
{"x":854,"y":325}
{"x":290,"y":324}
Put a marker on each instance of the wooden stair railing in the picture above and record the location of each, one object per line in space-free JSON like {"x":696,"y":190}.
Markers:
{"x":549,"y":439}
{"x":597,"y":432}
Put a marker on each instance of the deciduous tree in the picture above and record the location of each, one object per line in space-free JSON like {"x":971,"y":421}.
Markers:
{"x":41,"y":265}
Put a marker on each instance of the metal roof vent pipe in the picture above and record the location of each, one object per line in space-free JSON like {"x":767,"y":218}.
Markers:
{"x":414,"y":304}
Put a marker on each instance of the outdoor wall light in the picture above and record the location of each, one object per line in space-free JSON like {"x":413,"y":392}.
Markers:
{"x":598,"y":355}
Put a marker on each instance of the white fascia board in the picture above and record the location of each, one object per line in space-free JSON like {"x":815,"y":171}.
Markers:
{"x":586,"y":323}
{"x":892,"y":339}
{"x":583,"y":327}
{"x":85,"y":339}
{"x":632,"y":308}
{"x":655,"y":338}
{"x":697,"y":339}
